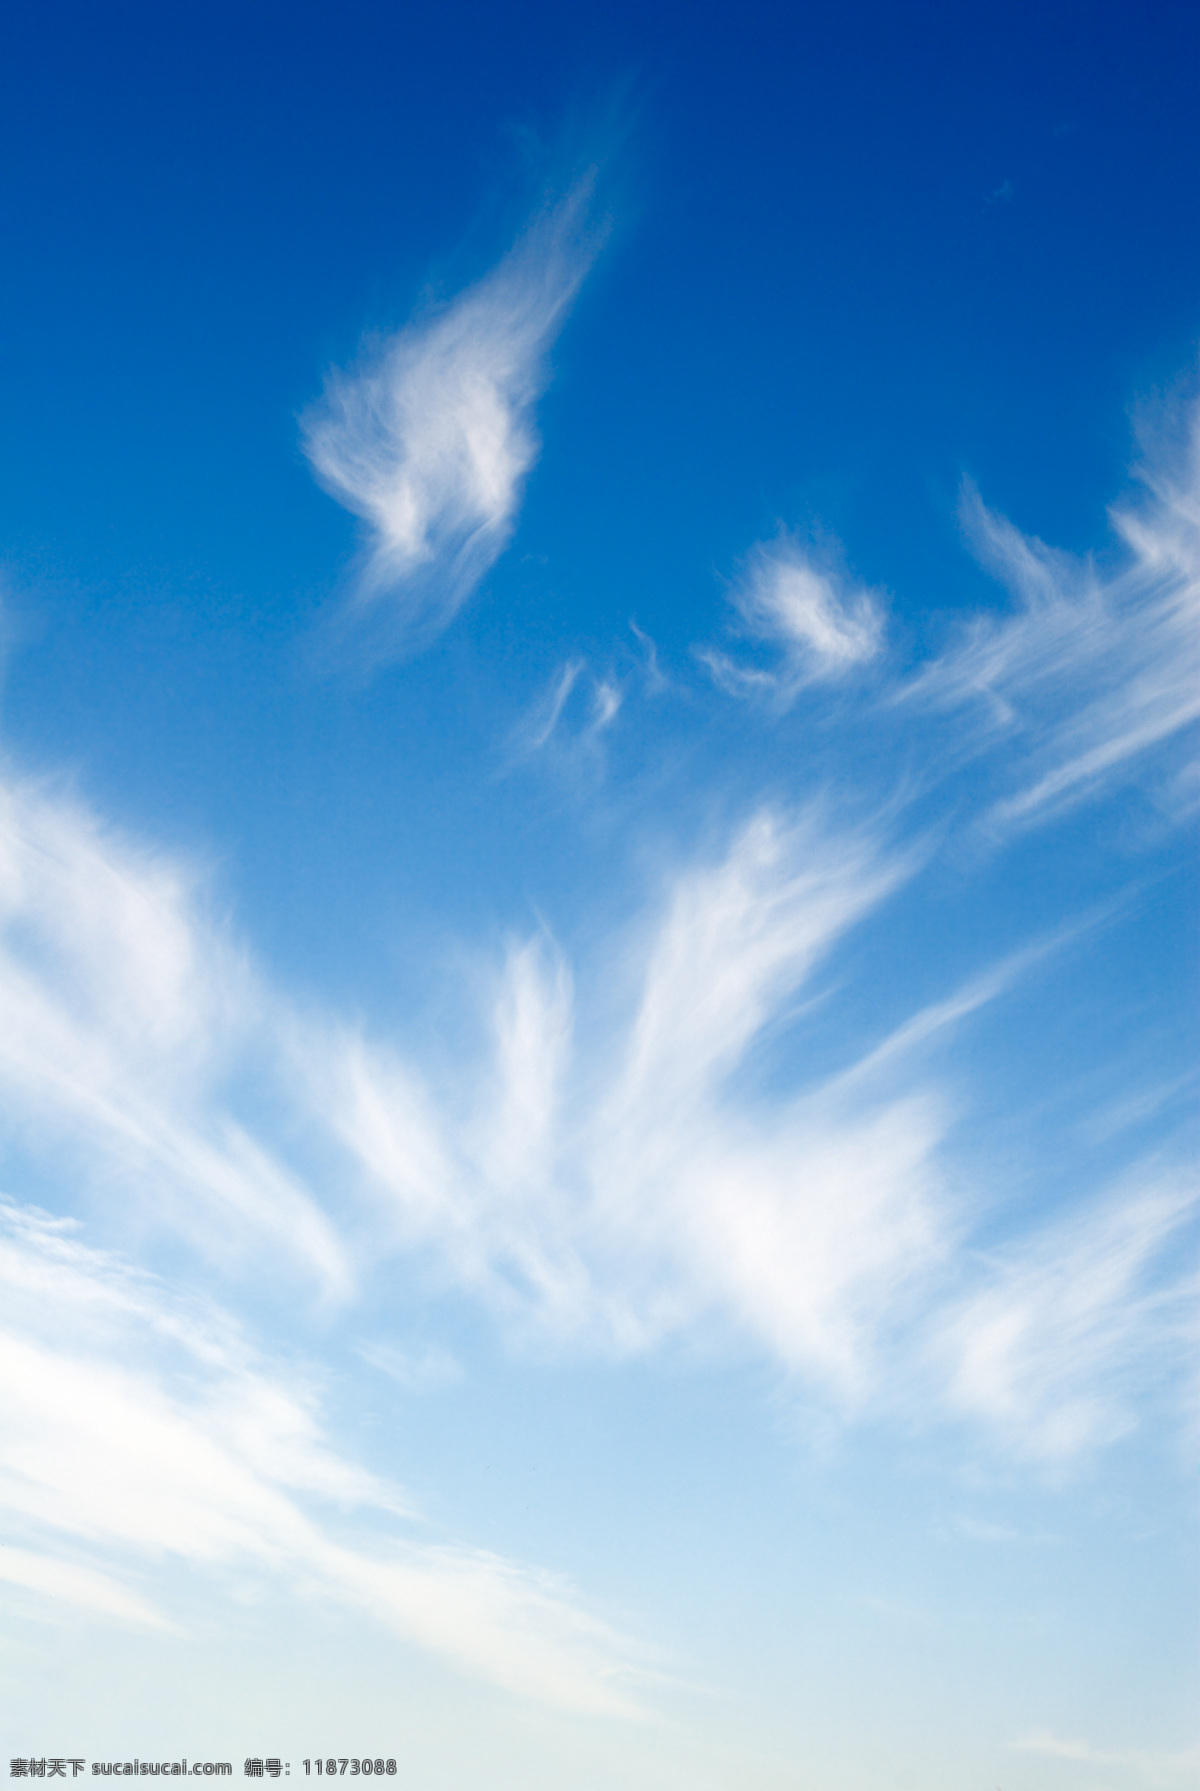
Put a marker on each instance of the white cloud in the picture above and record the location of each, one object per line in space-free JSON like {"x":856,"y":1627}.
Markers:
{"x":537,"y":727}
{"x":605,"y":1171}
{"x":1069,"y":1329}
{"x":737,"y":939}
{"x":1095,"y":669}
{"x":136,"y":1429}
{"x":126,"y":1013}
{"x":1093,"y":677}
{"x":819,"y":624}
{"x":613,"y":1186}
{"x":532,"y":1021}
{"x":606,"y":701}
{"x":430,"y":438}
{"x":574,"y":710}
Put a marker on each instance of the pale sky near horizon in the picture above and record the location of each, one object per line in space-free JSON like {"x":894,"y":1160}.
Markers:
{"x":598,"y":974}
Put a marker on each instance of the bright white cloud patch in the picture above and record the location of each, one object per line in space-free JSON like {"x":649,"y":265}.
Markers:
{"x":611,"y":1187}
{"x":820,"y":625}
{"x":429,"y":439}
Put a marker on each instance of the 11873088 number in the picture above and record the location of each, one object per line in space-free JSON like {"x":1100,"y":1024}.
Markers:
{"x":331,"y":1767}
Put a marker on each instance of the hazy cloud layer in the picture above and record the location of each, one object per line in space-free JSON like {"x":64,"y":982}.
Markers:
{"x":139,"y":1428}
{"x":1139,"y":1766}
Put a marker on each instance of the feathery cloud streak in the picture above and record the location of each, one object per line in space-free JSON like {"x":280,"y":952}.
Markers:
{"x":1070,"y":1328}
{"x":1095,"y":671}
{"x":429,"y":439}
{"x":820,"y":625}
{"x":609,"y":1188}
{"x":1092,"y":679}
{"x":125,"y":1014}
{"x":607,"y":1179}
{"x":139,"y":1427}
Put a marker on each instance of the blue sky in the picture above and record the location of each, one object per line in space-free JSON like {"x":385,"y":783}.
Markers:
{"x":597,"y":892}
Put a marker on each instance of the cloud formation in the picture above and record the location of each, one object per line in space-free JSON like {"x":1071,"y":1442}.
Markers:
{"x":607,"y":1173}
{"x":430,"y":437}
{"x":611,"y":1189}
{"x":1091,"y":679}
{"x":1070,"y":1330}
{"x":137,"y":1427}
{"x":650,"y":1139}
{"x":127,"y":1014}
{"x":819,"y":624}
{"x":1095,"y":674}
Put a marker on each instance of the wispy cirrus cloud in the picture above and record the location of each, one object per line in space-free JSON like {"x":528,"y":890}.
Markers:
{"x":580,"y":1178}
{"x":603,"y":1171}
{"x":608,"y":1187}
{"x":140,"y":1427}
{"x":1066,"y":1331}
{"x":1095,"y":675}
{"x":817,"y":624}
{"x":1092,"y":678}
{"x":580,"y":702}
{"x":126,"y":1011}
{"x":429,"y":439}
